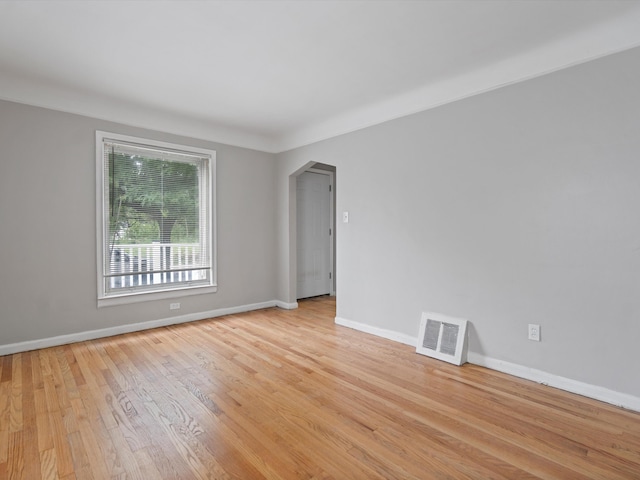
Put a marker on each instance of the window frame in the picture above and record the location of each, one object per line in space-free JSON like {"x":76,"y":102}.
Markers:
{"x":171,"y":290}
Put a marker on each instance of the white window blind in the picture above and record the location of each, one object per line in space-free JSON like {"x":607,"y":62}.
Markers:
{"x":156,"y":216}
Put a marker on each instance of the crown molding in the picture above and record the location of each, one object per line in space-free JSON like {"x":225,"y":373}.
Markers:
{"x":608,"y":39}
{"x":40,"y":93}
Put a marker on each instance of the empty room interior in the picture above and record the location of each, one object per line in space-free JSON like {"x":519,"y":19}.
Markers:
{"x":320,"y":239}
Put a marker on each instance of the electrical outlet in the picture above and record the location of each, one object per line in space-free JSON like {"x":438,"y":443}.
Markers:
{"x":534,"y":332}
{"x":174,"y":306}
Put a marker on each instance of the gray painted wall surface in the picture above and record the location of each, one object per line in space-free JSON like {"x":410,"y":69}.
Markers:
{"x":48,"y":225}
{"x":517,"y":206}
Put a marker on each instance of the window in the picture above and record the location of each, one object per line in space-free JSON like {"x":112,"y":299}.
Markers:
{"x":155,"y":219}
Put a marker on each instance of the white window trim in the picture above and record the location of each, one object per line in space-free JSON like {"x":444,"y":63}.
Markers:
{"x":141,"y":296}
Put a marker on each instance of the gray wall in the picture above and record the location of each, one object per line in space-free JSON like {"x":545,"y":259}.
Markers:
{"x":517,"y":206}
{"x":48,"y":224}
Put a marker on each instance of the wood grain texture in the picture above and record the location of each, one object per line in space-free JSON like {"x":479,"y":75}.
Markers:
{"x":277,"y":394}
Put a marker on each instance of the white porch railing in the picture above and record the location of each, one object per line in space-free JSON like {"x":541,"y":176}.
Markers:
{"x":154,"y":263}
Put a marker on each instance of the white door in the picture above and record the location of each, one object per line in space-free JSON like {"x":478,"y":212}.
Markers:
{"x":313,"y":234}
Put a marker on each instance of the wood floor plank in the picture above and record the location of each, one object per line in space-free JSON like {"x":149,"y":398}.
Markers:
{"x":15,"y":458}
{"x":5,"y":405}
{"x":48,"y":468}
{"x":43,"y":423}
{"x":6,"y":368}
{"x":277,"y":394}
{"x":15,"y":406}
{"x":64,"y":460}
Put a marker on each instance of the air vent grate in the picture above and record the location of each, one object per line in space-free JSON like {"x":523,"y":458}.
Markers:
{"x":443,"y":337}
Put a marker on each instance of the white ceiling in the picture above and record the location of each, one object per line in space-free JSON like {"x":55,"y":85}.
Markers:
{"x":274,"y":75}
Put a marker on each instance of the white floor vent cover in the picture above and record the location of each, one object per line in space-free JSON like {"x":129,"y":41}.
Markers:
{"x":443,"y":337}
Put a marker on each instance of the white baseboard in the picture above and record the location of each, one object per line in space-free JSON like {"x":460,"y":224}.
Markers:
{"x":574,"y":386}
{"x":133,"y":327}
{"x":602,"y":394}
{"x":286,"y":306}
{"x":379,"y":332}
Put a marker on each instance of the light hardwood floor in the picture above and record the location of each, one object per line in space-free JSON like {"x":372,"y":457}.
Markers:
{"x":288,"y":394}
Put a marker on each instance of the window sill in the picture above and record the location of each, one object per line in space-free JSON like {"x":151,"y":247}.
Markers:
{"x":136,"y":297}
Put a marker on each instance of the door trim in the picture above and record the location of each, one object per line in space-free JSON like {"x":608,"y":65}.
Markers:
{"x":332,"y":238}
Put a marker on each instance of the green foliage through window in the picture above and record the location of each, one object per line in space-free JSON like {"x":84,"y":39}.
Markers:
{"x":152,"y":200}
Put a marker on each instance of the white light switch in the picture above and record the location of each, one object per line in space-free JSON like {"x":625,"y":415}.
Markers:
{"x":345,"y":217}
